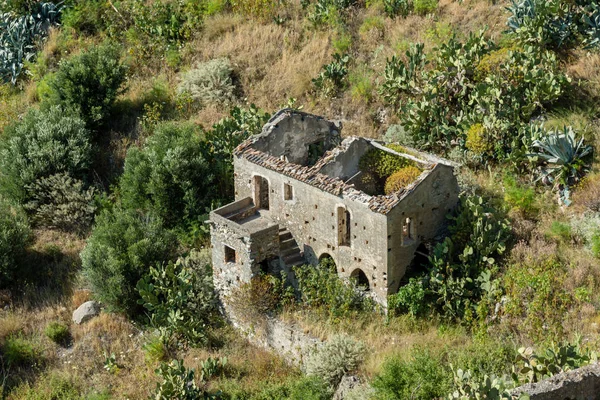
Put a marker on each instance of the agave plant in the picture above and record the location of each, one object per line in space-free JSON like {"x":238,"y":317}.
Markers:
{"x":561,"y":155}
{"x":18,"y":37}
{"x":592,"y":27}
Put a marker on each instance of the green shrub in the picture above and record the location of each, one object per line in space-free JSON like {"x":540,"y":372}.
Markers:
{"x":409,"y":299}
{"x":90,"y":83}
{"x":559,"y":231}
{"x":309,"y":388}
{"x":401,"y":178}
{"x":332,"y":78}
{"x":361,"y":85}
{"x":587,"y":228}
{"x":60,"y":201}
{"x":42,"y":144}
{"x":58,"y":332}
{"x":156,"y":347}
{"x":537,"y":301}
{"x":179,"y":297}
{"x":381,"y":165}
{"x":425,"y":6}
{"x":422,"y":376}
{"x":339,"y":355}
{"x":21,"y":352}
{"x":176,"y":382}
{"x":120,"y":250}
{"x":210,"y":82}
{"x":520,"y":198}
{"x":53,"y":386}
{"x":169,"y":176}
{"x":394,"y":8}
{"x":86,"y":17}
{"x":15,"y":236}
{"x":321,"y":288}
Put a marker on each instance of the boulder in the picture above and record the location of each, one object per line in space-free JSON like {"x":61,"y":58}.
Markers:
{"x":347,"y":384}
{"x":86,"y":311}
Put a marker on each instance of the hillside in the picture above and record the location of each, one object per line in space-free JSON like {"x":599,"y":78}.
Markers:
{"x":118,"y":121}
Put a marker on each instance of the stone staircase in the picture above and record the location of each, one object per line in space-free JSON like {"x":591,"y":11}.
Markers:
{"x":289,"y":252}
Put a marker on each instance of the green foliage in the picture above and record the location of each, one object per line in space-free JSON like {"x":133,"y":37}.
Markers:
{"x":329,"y":12}
{"x":409,"y":299}
{"x":257,"y":8}
{"x":321,"y":288}
{"x":332,"y":78}
{"x":19,"y":36}
{"x":263,"y":295}
{"x":439,"y":105}
{"x":176,"y":382}
{"x":361,"y":85}
{"x":382,"y":164}
{"x":488,"y":387}
{"x":15,"y":236}
{"x":60,"y":201}
{"x":425,"y":6}
{"x":586,"y":227}
{"x":169,"y":176}
{"x":179,"y":298}
{"x":51,"y":386}
{"x":553,"y":360}
{"x":210,"y":82}
{"x":520,"y":198}
{"x":394,"y":8}
{"x":123,"y":245}
{"x":559,"y":231}
{"x":57,"y":332}
{"x":212,"y":367}
{"x":561,"y":157}
{"x":555,"y":24}
{"x":338,"y":356}
{"x":18,"y":351}
{"x":537,"y":300}
{"x":156,"y":347}
{"x":44,"y":143}
{"x":90,"y":83}
{"x":87,"y":17}
{"x":225,"y":136}
{"x":422,"y":376}
{"x":401,"y":178}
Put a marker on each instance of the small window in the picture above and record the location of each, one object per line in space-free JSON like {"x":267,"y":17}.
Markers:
{"x":408,"y":231}
{"x":288,"y":192}
{"x":229,"y":255}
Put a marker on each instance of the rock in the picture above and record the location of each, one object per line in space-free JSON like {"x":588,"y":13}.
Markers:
{"x":347,"y":384}
{"x":86,"y":311}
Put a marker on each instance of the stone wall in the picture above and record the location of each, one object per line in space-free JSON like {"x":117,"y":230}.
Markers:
{"x":580,"y":384}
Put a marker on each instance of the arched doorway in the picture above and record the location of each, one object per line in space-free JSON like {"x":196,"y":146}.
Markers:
{"x":261,"y":192}
{"x":327,"y":262}
{"x":362,"y":282}
{"x":421,"y":259}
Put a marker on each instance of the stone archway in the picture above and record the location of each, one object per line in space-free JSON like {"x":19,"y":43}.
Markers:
{"x":361,"y":279}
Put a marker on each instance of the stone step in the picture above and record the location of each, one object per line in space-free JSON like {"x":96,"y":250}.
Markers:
{"x":287,"y":243}
{"x":285,"y":236}
{"x":295,"y":259}
{"x":290,"y":251}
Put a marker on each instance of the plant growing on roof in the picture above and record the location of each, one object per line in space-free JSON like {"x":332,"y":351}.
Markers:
{"x":561,"y":156}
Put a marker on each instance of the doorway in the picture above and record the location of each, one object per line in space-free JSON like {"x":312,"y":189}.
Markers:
{"x":261,"y":192}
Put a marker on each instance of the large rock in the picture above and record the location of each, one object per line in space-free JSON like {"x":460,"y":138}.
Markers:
{"x":347,"y":384}
{"x":86,"y":311}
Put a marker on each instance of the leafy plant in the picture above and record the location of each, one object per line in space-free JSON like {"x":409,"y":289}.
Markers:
{"x":332,"y":77}
{"x":117,"y":255}
{"x":339,"y":355}
{"x":44,"y":143}
{"x":401,"y":178}
{"x":15,"y":237}
{"x":110,"y":363}
{"x":489,"y":387}
{"x":179,"y":297}
{"x":60,"y":201}
{"x":211,"y":367}
{"x":394,"y":8}
{"x":561,"y":155}
{"x":18,"y":351}
{"x":19,"y":36}
{"x":425,"y":6}
{"x":90,"y":83}
{"x":176,"y":382}
{"x":58,"y":332}
{"x":169,"y":176}
{"x":210,"y":82}
{"x":401,"y":78}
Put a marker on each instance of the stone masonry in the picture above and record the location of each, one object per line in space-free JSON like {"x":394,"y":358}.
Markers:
{"x":297,"y":201}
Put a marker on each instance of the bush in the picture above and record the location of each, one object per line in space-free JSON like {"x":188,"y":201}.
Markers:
{"x":61,"y":202}
{"x":425,"y":6}
{"x":587,"y":228}
{"x":176,"y":382}
{"x":210,"y":82}
{"x":321,"y":288}
{"x":401,"y":178}
{"x":90,"y":83}
{"x":15,"y":236}
{"x":20,"y":352}
{"x":339,"y":355}
{"x":119,"y":252}
{"x":332,"y":78}
{"x":53,"y":386}
{"x":394,"y":8}
{"x":169,"y":176}
{"x":58,"y":332}
{"x":520,"y":198}
{"x":409,"y":299}
{"x":42,"y":144}
{"x":179,"y":297}
{"x":422,"y":376}
{"x":536,"y":298}
{"x":263,"y":295}
{"x":381,"y":165}
{"x":309,"y":388}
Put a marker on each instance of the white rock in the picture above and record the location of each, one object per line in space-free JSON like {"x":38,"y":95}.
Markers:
{"x":86,"y":311}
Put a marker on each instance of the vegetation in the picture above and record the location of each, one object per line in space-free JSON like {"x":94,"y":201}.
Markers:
{"x":118,"y":123}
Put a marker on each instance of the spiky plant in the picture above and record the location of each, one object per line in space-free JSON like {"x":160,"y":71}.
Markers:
{"x":561,"y":155}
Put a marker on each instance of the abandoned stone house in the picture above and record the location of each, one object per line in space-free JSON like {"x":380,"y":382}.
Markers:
{"x":299,"y":197}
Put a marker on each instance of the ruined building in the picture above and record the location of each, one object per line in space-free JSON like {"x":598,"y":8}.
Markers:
{"x":302,"y":193}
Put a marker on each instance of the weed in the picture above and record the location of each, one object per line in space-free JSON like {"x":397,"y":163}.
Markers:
{"x":58,"y":332}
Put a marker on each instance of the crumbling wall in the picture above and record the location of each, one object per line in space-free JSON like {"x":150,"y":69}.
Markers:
{"x":289,"y":133}
{"x":344,"y":164}
{"x":580,"y":384}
